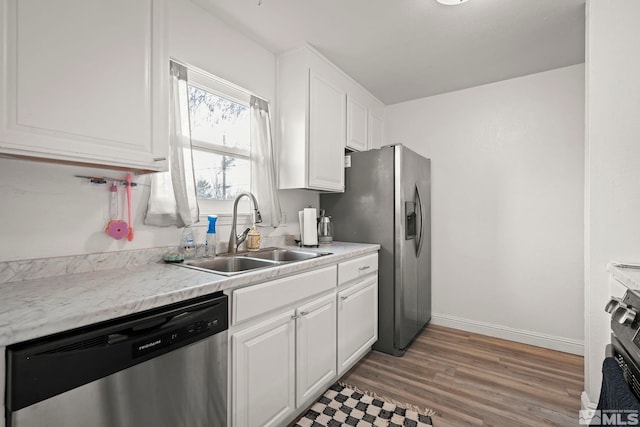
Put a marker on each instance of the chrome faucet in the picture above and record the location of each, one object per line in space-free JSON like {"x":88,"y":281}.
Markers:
{"x":236,"y":240}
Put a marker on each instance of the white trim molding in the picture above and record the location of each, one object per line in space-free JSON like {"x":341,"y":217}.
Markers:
{"x":586,"y":403}
{"x":552,"y":342}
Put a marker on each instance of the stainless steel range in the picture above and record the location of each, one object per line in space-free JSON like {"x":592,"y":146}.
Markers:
{"x":625,"y":337}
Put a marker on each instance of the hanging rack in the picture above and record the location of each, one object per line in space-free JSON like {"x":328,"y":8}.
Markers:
{"x":105,"y":180}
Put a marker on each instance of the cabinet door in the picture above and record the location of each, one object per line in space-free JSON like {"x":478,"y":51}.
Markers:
{"x":376,"y":131}
{"x":327,"y":134}
{"x":315,"y":346}
{"x":357,"y":321}
{"x":263,"y":372}
{"x":357,"y":125}
{"x":84,"y":81}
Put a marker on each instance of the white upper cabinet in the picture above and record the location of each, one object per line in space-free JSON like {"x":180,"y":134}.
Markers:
{"x":376,"y":131}
{"x":326,"y":134}
{"x":85,"y":81}
{"x":320,"y":112}
{"x":357,"y":129}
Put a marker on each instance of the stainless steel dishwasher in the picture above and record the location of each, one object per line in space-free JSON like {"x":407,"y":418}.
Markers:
{"x":164,"y":367}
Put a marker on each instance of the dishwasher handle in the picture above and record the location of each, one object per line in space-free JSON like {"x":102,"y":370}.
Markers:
{"x":118,"y":337}
{"x":154,"y":325}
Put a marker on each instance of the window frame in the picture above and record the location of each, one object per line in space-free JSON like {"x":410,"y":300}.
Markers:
{"x":224,"y":89}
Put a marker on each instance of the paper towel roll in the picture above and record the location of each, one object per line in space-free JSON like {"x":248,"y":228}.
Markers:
{"x":310,"y":228}
{"x":301,"y":221}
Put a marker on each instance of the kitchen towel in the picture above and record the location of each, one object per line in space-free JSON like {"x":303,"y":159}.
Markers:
{"x":616,"y":398}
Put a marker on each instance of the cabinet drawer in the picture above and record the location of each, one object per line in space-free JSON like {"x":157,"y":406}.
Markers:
{"x":358,"y":267}
{"x":258,"y":299}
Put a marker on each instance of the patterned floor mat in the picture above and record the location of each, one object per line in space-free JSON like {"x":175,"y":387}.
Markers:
{"x":343,"y":404}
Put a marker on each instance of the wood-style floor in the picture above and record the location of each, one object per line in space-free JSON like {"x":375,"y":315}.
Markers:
{"x":476,"y":380}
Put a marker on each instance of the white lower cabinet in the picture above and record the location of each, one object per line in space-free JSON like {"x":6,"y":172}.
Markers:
{"x":263,"y":372}
{"x":292,"y":351}
{"x":315,"y":346}
{"x":292,"y":337}
{"x":357,"y":321}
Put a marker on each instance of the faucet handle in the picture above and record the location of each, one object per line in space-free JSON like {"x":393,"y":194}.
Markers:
{"x":242,"y":237}
{"x":257,"y":217}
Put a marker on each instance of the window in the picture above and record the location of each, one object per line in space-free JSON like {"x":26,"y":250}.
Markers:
{"x":220,"y":136}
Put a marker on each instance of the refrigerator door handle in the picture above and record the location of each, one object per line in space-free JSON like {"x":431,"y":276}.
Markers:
{"x":420,"y":221}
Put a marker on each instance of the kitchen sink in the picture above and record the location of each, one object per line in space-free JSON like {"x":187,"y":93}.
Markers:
{"x":230,"y":265}
{"x":243,"y":262}
{"x":284,"y":255}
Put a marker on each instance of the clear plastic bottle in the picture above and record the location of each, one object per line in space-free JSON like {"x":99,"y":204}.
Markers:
{"x":211,"y":240}
{"x":188,"y":243}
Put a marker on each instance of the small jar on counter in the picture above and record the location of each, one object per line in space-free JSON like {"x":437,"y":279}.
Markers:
{"x":253,"y":239}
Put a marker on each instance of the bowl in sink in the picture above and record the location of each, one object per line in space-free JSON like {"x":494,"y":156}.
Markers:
{"x":230,"y":265}
{"x":285,"y":255}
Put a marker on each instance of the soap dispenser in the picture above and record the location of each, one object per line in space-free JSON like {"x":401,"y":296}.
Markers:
{"x":253,"y":239}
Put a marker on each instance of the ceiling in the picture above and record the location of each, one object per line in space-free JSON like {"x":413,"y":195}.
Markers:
{"x":407,"y":49}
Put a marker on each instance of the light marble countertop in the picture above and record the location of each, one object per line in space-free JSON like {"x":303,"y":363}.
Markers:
{"x":36,"y":308}
{"x":626,"y":273}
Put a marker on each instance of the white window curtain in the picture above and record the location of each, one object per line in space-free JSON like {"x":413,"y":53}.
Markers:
{"x":263,"y":174}
{"x":172,"y":200}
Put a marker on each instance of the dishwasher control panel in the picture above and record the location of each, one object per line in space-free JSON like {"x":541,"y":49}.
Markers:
{"x":194,"y":331}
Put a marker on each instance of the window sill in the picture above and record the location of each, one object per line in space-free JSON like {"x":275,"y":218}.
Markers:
{"x":224,"y":219}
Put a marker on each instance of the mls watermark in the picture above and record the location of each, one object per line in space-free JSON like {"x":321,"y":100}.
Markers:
{"x":609,"y":417}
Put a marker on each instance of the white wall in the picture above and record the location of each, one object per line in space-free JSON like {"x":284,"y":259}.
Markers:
{"x":47,"y":212}
{"x":612,"y":164}
{"x":507,"y":204}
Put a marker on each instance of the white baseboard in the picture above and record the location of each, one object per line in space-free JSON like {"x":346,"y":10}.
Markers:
{"x":566,"y":345}
{"x":585,"y":402}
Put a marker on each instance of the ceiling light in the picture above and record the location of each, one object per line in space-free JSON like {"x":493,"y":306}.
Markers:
{"x":451,"y":2}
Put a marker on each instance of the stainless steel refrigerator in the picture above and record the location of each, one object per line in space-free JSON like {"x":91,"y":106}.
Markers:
{"x":387,"y":200}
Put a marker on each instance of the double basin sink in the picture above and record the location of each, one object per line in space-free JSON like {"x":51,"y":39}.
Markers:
{"x":243,"y":262}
